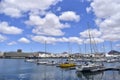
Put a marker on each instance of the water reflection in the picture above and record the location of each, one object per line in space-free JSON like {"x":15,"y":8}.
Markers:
{"x":90,"y":75}
{"x":107,"y":75}
{"x":20,"y":70}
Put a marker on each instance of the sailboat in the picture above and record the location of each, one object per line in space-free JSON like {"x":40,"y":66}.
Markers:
{"x":67,"y":64}
{"x":89,"y":66}
{"x":44,"y":61}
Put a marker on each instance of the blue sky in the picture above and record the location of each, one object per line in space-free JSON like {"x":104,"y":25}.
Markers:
{"x":64,"y":25}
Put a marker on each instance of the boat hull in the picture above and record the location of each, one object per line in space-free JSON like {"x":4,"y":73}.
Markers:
{"x":67,"y":65}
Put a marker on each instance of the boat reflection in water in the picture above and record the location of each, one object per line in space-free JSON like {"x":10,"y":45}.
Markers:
{"x":90,"y":75}
{"x":100,"y":75}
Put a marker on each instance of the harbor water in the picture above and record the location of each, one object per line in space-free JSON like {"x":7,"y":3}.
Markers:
{"x":18,"y":69}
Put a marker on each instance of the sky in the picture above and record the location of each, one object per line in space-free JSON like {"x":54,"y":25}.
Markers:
{"x":62,"y":25}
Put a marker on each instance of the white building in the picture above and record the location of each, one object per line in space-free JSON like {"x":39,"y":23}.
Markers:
{"x":1,"y":53}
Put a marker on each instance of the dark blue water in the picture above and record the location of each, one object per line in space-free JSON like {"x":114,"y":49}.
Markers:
{"x":18,"y":69}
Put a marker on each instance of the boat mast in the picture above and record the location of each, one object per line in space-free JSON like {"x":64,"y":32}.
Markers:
{"x":95,"y":46}
{"x":45,"y":66}
{"x":69,"y":48}
{"x":85,"y":47}
{"x":111,"y":45}
{"x":104,"y":48}
{"x":89,"y":34}
{"x":45,"y":47}
{"x":80,"y":51}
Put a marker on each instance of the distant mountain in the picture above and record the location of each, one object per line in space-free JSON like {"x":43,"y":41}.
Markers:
{"x":43,"y":52}
{"x":114,"y":52}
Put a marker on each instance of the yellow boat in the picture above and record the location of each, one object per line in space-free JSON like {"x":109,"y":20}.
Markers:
{"x":67,"y":65}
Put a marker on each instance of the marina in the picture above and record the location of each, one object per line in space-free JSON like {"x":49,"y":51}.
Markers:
{"x":59,"y":39}
{"x":17,"y":69}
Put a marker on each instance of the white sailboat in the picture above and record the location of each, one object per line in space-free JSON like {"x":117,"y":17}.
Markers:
{"x":89,"y":66}
{"x":69,"y":63}
{"x":44,"y":61}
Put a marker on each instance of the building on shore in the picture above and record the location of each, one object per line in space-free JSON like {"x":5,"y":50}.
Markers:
{"x":19,"y":54}
{"x":1,"y":54}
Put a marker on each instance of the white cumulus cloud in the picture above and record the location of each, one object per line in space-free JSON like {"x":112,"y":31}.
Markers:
{"x":7,"y":29}
{"x":12,"y":43}
{"x":43,"y":39}
{"x":88,"y":9}
{"x":93,"y":40}
{"x":24,"y":40}
{"x":92,"y":36}
{"x":91,"y":32}
{"x":107,"y":14}
{"x":16,"y":8}
{"x":2,"y":38}
{"x":63,"y":39}
{"x":69,"y":16}
{"x":59,"y":9}
{"x":49,"y":25}
{"x":118,"y":45}
{"x":111,"y":37}
{"x":75,"y":40}
{"x":53,"y":40}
